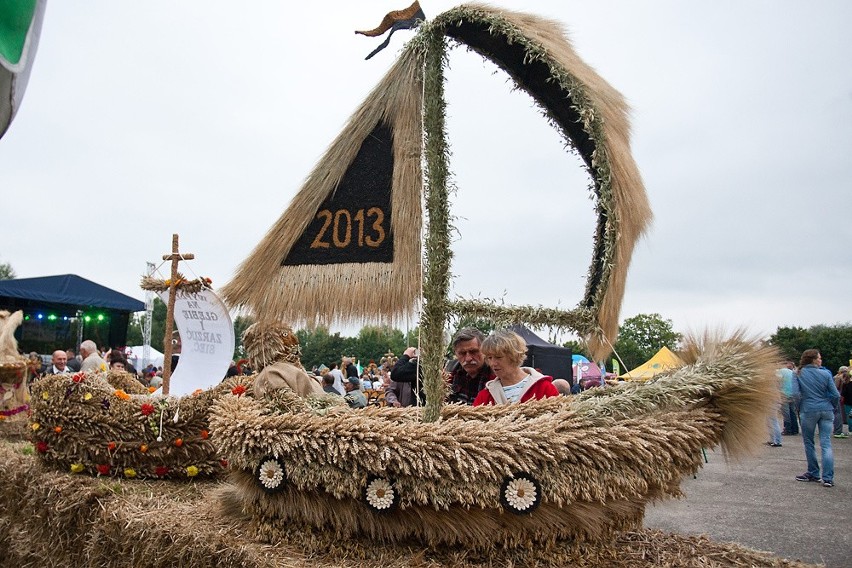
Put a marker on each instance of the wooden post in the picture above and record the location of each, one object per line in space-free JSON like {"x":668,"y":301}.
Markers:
{"x":175,"y":257}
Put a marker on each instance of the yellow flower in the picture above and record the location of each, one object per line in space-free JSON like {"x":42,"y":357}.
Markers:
{"x":77,"y":467}
{"x":35,"y":426}
{"x":129,"y":472}
{"x":87,"y":396}
{"x":192,"y":471}
{"x":45,"y":395}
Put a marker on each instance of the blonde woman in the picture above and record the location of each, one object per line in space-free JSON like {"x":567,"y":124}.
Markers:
{"x":504,"y":352}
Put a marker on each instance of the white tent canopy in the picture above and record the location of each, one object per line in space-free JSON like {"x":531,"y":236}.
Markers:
{"x":135,"y":357}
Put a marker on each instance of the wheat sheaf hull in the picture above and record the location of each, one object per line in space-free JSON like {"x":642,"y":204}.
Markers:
{"x":598,"y":458}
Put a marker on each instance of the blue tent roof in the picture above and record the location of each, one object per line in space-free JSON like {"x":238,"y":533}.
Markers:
{"x":68,"y":289}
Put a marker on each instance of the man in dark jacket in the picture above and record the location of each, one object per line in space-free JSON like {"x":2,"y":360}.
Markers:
{"x":470,"y":373}
{"x":405,"y":371}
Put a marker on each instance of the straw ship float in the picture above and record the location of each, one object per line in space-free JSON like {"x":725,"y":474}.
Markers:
{"x":349,"y":248}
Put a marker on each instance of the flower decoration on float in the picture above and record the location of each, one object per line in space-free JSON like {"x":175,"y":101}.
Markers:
{"x":192,"y":471}
{"x":129,"y":472}
{"x":147,"y":409}
{"x":380,"y":494}
{"x":238,"y":390}
{"x":42,"y":447}
{"x":270,"y":474}
{"x":77,"y":468}
{"x":520,"y":494}
{"x":103,"y":469}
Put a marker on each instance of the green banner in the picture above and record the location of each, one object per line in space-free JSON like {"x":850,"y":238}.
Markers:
{"x":16,"y":18}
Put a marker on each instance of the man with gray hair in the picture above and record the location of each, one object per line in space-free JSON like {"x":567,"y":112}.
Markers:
{"x":470,"y":373}
{"x":59,"y":364}
{"x":92,"y":361}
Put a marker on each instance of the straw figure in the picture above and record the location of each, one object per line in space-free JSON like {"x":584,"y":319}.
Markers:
{"x":274,"y":352}
{"x":14,"y":394}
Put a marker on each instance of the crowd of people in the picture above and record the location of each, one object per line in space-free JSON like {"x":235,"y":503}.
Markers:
{"x":92,"y":358}
{"x":483,"y":371}
{"x":487,"y":370}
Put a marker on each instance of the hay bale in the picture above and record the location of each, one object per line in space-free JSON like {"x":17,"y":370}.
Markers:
{"x":49,"y":519}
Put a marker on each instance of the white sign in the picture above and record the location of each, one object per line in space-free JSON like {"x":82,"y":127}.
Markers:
{"x":207,"y":341}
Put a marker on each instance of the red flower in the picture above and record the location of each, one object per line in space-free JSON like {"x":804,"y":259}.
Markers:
{"x":58,"y":429}
{"x":223,"y":463}
{"x":42,"y":447}
{"x":161,"y":470}
{"x":205,"y":434}
{"x":238,"y":390}
{"x":178,"y":442}
{"x":78,"y":377}
{"x":103,"y":469}
{"x":147,"y":409}
{"x":111,"y":446}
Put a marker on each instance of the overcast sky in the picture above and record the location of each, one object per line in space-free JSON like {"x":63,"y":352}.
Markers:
{"x":202,"y":118}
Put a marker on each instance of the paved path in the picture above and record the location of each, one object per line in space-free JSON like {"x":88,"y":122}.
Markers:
{"x":759,"y":504}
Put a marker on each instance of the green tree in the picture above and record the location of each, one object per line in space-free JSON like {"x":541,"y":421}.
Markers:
{"x":241,"y":323}
{"x":791,"y":341}
{"x":6,"y":271}
{"x":641,"y":336}
{"x":319,"y":347}
{"x":134,"y":329}
{"x":577,"y":347}
{"x":374,"y":341}
{"x":834,"y":342}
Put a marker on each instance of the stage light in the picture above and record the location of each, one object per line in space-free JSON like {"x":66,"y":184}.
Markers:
{"x":100,"y":317}
{"x":87,"y":318}
{"x":39,"y":316}
{"x":52,"y":317}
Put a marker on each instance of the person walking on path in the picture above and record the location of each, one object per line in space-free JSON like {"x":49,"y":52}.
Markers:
{"x":841,"y":379}
{"x":818,"y":397}
{"x":846,"y":396}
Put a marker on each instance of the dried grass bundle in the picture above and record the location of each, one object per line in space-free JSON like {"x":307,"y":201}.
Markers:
{"x":181,"y":283}
{"x":55,"y":519}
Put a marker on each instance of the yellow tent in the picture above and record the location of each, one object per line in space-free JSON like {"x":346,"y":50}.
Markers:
{"x":663,"y":360}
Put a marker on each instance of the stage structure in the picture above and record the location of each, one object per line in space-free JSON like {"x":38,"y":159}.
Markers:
{"x":58,"y":310}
